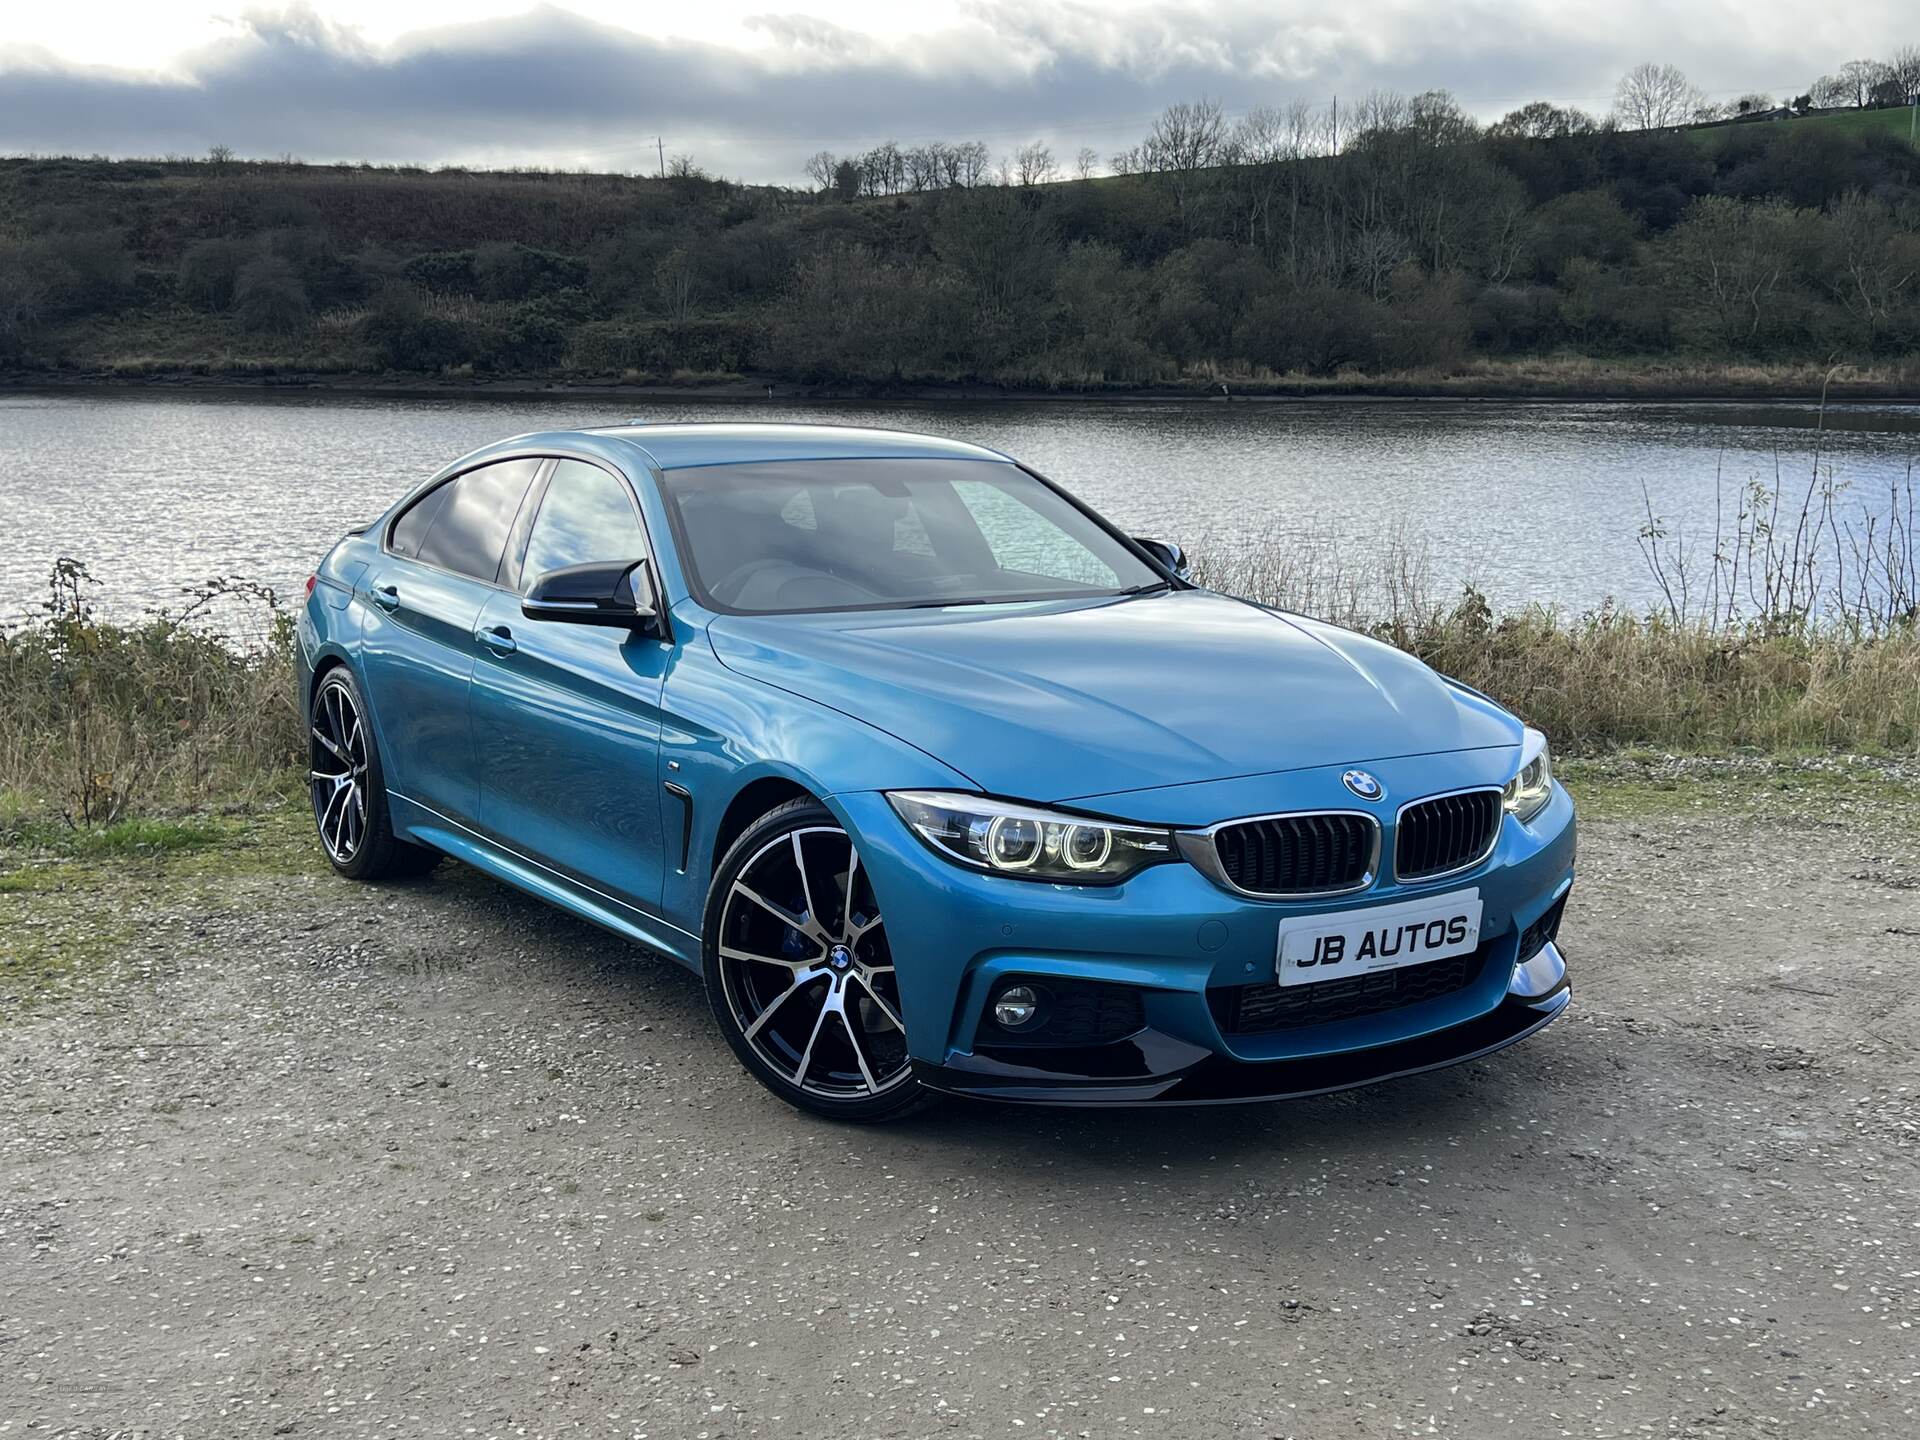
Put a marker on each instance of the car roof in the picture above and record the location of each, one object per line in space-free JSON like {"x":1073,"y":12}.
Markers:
{"x":679,"y":447}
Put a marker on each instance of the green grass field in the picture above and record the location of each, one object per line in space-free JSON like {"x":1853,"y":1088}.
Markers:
{"x":1897,"y":121}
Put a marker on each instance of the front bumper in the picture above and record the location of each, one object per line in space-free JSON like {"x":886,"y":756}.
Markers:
{"x":1151,"y":1067}
{"x":1180,"y":946}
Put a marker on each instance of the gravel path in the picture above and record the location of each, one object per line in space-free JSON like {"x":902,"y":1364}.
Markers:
{"x":432,"y":1160}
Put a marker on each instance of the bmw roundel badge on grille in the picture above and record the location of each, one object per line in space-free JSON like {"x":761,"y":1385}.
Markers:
{"x":1363,"y":784}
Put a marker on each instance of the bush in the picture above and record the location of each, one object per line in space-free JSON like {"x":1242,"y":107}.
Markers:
{"x":269,"y":297}
{"x":209,"y":270}
{"x":442,"y":272}
{"x":504,"y":271}
{"x":404,"y":335}
{"x":104,"y":719}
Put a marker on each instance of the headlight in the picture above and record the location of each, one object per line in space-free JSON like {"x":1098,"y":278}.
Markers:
{"x":1029,"y":844}
{"x":1528,"y":792}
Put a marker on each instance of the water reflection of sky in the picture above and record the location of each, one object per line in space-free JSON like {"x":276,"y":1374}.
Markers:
{"x":1531,"y":500}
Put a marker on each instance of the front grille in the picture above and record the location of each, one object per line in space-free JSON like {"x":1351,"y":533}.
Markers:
{"x":1072,"y":1012}
{"x":1263,"y":1009}
{"x":1445,"y":834}
{"x":1298,"y":854}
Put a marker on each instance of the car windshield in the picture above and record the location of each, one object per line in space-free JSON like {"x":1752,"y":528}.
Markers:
{"x":871,"y":534}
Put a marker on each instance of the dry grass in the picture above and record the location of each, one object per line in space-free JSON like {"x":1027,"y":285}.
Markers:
{"x":1607,"y":679}
{"x":103,"y":721}
{"x":196,"y":707}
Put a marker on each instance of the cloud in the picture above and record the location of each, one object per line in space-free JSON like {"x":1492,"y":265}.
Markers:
{"x":551,"y":87}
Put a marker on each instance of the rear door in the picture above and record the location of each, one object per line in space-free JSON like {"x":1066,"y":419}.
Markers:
{"x":566,"y":716}
{"x":422,"y":595}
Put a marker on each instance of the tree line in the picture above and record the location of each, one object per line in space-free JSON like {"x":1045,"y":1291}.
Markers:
{"x":1399,"y":235}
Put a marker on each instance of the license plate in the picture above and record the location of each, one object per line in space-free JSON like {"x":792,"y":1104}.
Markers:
{"x":1386,"y":937}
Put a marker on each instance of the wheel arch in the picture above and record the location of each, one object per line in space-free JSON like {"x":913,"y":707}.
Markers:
{"x":749,"y":803}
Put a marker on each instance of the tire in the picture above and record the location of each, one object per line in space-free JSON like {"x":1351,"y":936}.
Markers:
{"x":349,"y":791}
{"x":799,"y":974}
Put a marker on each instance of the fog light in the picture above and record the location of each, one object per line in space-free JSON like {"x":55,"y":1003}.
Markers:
{"x":1015,"y":1006}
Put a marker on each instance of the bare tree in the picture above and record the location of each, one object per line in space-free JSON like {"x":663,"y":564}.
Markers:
{"x":1903,"y":68}
{"x":1653,"y":97}
{"x":1187,"y":139}
{"x":820,"y":167}
{"x":1829,"y":92}
{"x":1870,"y":268}
{"x":677,"y":282}
{"x":1542,"y":121}
{"x":1086,"y":162}
{"x":923,"y":167}
{"x":967,"y":164}
{"x":220,"y":154}
{"x":1754,"y":102}
{"x":1034,"y":164}
{"x":1853,"y":83}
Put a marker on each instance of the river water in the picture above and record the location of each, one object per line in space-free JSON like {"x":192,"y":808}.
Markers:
{"x":155,"y":490}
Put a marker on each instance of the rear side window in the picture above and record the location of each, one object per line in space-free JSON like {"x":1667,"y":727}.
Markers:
{"x":469,"y":530}
{"x":411,"y":528}
{"x":586,"y":517}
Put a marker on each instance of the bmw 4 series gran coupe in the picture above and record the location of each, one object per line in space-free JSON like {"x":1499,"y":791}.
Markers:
{"x":941,"y":782}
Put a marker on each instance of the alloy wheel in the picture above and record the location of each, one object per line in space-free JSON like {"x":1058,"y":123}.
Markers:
{"x":337,"y":772}
{"x":806,"y":969}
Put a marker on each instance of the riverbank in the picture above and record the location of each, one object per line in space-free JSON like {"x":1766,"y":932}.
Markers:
{"x":1566,"y":379}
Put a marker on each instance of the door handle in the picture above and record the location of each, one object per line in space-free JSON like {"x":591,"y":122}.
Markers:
{"x":387,"y":597}
{"x":499,"y":639}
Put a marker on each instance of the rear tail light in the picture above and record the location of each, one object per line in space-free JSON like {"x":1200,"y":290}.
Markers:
{"x":312,"y":580}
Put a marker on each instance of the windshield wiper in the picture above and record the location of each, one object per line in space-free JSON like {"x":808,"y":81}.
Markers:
{"x":1151,"y":587}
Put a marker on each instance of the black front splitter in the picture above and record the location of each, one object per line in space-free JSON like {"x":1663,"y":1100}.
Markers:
{"x":1156,"y":1069}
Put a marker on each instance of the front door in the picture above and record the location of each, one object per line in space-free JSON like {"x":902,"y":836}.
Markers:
{"x":566,"y":717}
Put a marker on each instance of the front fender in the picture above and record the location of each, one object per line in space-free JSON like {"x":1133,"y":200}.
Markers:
{"x":723,"y":732}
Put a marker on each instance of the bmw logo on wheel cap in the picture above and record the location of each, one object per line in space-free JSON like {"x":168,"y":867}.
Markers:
{"x":1363,"y":784}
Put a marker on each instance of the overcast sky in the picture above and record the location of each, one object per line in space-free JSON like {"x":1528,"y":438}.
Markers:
{"x":750,"y":92}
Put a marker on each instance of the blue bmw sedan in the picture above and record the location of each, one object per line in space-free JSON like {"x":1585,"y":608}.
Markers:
{"x":941,"y":782}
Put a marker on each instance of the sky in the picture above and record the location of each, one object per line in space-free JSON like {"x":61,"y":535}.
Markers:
{"x":749,"y":92}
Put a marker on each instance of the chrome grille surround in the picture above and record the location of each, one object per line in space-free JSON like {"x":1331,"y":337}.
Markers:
{"x":1202,"y":851}
{"x":1467,"y":850}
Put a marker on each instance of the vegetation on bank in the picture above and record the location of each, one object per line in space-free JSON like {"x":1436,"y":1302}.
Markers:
{"x":1425,"y":248}
{"x":1794,"y":628}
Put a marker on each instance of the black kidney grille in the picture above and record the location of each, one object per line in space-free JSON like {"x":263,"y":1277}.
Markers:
{"x":1297,"y":854}
{"x":1447,"y":833}
{"x":1263,"y":1009}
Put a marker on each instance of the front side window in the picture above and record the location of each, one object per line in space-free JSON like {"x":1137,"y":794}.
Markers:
{"x":472,"y":514}
{"x":585,"y":518}
{"x":870,"y":534}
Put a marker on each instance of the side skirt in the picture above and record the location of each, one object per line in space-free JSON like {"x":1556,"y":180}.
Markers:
{"x":429,"y":827}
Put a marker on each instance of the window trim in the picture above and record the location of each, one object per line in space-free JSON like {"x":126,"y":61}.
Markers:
{"x":543,"y":466}
{"x":544,"y":484}
{"x":696,"y":587}
{"x":525,"y":541}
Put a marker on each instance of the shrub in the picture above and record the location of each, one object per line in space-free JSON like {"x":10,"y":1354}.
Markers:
{"x":268,"y":296}
{"x":505,"y":271}
{"x":103,"y":719}
{"x":209,"y":270}
{"x":406,"y":336}
{"x":442,"y":272}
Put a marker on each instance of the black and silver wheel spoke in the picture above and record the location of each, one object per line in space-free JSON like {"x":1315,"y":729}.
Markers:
{"x":806,"y":969}
{"x":337,"y":770}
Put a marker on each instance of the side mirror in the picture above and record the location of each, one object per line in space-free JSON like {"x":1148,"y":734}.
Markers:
{"x":618,"y":593}
{"x":1171,"y":557}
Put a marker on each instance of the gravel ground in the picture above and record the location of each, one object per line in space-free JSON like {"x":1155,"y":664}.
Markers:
{"x":309,"y":1159}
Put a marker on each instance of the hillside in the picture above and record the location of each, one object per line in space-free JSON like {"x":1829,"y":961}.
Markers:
{"x":1420,"y":250}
